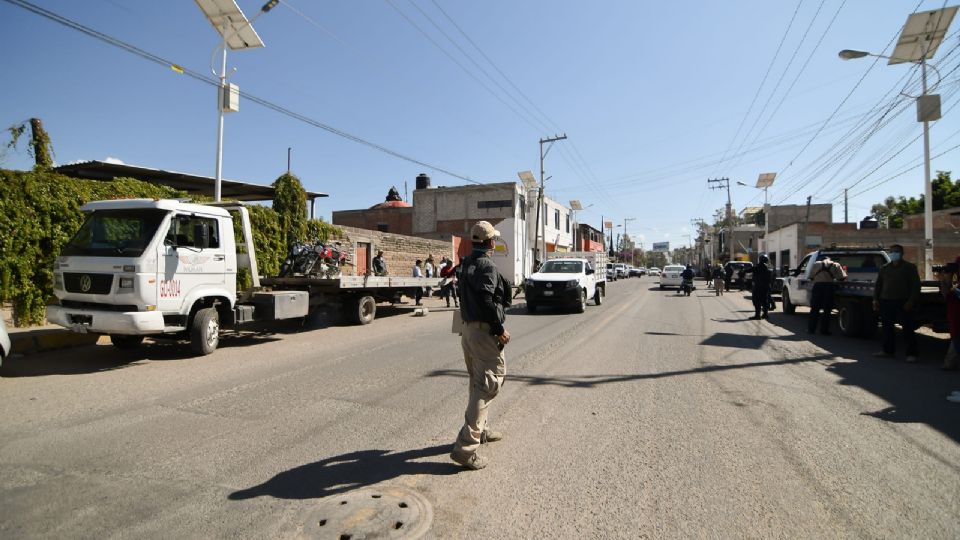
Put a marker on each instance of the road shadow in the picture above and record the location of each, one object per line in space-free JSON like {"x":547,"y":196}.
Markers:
{"x":350,"y":471}
{"x":593,"y":381}
{"x":916,"y":393}
{"x":101,"y":358}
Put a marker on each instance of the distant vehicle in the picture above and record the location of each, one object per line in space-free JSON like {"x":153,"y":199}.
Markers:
{"x":621,"y":270}
{"x":643,"y":270}
{"x":567,"y":281}
{"x":654,"y":271}
{"x":635,"y":272}
{"x":734,"y":272}
{"x":611,"y":272}
{"x":670,"y":277}
{"x":4,"y":342}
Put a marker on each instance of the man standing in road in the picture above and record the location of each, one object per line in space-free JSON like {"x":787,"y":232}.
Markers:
{"x":895,"y":294}
{"x":826,"y":273}
{"x":761,"y":288}
{"x":483,"y":295}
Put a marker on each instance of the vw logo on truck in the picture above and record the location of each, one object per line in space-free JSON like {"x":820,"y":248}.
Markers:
{"x":85,"y":283}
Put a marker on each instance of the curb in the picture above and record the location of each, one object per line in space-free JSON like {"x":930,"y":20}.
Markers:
{"x":37,"y":341}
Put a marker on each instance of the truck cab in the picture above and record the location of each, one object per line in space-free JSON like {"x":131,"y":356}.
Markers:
{"x":566,"y":282}
{"x":144,"y":267}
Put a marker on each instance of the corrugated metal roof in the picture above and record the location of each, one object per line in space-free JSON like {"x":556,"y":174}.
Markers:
{"x":191,"y":183}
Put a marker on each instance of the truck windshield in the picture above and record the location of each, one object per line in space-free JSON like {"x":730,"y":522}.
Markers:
{"x":115,"y":233}
{"x":562,"y":267}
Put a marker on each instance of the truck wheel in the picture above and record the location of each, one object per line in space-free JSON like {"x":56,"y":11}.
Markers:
{"x":597,"y":297}
{"x":205,"y":331}
{"x":788,"y":306}
{"x":125,"y":342}
{"x":850,"y":318}
{"x":582,"y":305}
{"x":363,"y":310}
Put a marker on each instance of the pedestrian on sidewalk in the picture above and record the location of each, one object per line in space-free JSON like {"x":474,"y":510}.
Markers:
{"x":418,"y":273}
{"x":895,"y":295}
{"x":379,"y":265}
{"x":760,"y":292}
{"x":826,"y":273}
{"x":449,"y":289}
{"x":951,"y":293}
{"x":484,"y":294}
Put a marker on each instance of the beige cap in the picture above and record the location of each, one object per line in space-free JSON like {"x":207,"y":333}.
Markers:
{"x":483,"y":231}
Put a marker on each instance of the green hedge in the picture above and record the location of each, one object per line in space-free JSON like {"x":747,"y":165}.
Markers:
{"x":40,"y":212}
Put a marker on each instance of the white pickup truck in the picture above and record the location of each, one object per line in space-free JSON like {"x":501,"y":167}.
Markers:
{"x":568,"y":280}
{"x":142,"y":267}
{"x":854,"y":296}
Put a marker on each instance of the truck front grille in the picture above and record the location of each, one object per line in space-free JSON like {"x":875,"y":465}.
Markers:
{"x":88,"y":283}
{"x":97,"y":306}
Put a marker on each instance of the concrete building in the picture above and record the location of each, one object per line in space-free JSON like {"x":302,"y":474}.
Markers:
{"x":588,"y":239}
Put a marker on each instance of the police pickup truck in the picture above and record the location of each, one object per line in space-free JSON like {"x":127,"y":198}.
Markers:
{"x":854,"y":296}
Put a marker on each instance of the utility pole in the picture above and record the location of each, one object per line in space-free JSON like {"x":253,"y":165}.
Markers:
{"x":538,"y":237}
{"x":724,"y":183}
{"x":806,"y":222}
{"x":845,"y":220}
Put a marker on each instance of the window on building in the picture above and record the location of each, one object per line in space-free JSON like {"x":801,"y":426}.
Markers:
{"x":568,"y":222}
{"x":523,"y":207}
{"x":545,"y":218}
{"x":556,"y":219}
{"x":506,"y":203}
{"x":383,"y":227}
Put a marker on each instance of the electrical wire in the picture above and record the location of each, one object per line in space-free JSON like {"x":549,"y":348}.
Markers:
{"x":37,"y":10}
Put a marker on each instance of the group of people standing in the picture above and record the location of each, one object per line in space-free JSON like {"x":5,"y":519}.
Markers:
{"x":445,"y":269}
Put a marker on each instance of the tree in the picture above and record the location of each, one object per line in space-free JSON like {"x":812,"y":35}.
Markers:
{"x":946,"y":194}
{"x":290,"y":204}
{"x":40,"y":149}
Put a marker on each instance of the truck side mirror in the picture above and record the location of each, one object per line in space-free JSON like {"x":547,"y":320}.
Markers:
{"x":201,"y":236}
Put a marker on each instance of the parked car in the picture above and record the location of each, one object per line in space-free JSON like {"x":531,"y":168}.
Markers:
{"x":670,"y":277}
{"x":4,"y":342}
{"x":635,"y":272}
{"x":621,"y":270}
{"x":643,"y":270}
{"x":654,"y":271}
{"x":611,"y":272}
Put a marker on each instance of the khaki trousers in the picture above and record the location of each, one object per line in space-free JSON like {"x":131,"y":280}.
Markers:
{"x":486,"y":368}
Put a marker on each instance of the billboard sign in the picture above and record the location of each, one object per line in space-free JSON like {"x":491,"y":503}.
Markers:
{"x":661,"y":247}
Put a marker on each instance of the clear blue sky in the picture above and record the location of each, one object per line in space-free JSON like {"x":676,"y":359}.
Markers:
{"x":654,"y":96}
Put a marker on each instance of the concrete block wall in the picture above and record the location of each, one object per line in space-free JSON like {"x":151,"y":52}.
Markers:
{"x":399,"y":251}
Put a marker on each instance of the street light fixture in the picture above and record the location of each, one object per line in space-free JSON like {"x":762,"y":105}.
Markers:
{"x":919,"y":40}
{"x":764,"y":181}
{"x":237,"y":33}
{"x":577,"y":206}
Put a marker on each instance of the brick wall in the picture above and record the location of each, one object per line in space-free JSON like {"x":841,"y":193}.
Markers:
{"x":397,"y":220}
{"x":399,"y":251}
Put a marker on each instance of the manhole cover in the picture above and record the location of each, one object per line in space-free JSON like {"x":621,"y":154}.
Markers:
{"x":384,"y":512}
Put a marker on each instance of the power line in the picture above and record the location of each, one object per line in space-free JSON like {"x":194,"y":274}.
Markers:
{"x":212,"y":82}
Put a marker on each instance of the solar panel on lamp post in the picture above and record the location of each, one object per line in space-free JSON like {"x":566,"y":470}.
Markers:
{"x":237,"y":33}
{"x":919,"y":40}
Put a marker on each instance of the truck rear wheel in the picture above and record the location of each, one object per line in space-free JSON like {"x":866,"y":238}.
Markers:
{"x":598,"y":296}
{"x":850,"y":317}
{"x":788,"y":306}
{"x":362,"y":310}
{"x":124,"y":342}
{"x":205,"y":331}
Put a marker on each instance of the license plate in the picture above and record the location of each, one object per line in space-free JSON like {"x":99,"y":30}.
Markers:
{"x":548,"y":293}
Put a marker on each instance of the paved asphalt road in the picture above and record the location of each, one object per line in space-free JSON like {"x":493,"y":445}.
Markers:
{"x":653,"y":415}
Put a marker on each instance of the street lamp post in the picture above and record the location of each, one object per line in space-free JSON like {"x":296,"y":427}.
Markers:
{"x":918,"y":42}
{"x":236,"y":32}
